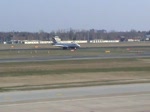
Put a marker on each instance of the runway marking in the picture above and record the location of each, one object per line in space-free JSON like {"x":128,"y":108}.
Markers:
{"x":78,"y":99}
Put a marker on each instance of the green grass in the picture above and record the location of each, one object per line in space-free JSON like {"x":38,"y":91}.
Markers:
{"x":88,"y":70}
{"x":70,"y":62}
{"x":8,"y":68}
{"x":58,"y":52}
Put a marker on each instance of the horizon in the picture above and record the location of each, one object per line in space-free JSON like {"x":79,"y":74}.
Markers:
{"x":76,"y":30}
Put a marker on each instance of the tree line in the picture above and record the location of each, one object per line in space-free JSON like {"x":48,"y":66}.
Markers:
{"x":73,"y":35}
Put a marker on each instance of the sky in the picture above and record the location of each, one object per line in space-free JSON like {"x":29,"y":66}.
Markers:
{"x":53,"y":15}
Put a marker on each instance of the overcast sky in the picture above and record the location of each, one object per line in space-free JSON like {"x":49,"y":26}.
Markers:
{"x":53,"y":15}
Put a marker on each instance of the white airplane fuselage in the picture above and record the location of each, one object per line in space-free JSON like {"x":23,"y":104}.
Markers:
{"x":57,"y":42}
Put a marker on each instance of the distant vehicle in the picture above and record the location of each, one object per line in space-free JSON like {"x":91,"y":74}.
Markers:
{"x":57,"y":42}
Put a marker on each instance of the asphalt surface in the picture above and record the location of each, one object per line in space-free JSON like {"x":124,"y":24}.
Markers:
{"x":114,"y":98}
{"x":51,"y":58}
{"x":123,"y":103}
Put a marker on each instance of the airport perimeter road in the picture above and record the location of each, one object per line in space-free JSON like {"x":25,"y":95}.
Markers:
{"x":115,"y":98}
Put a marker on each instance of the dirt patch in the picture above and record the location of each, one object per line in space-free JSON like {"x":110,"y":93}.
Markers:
{"x":71,"y":78}
{"x":145,"y":60}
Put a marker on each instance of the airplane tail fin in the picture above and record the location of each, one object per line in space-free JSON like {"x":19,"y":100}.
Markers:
{"x":56,"y":39}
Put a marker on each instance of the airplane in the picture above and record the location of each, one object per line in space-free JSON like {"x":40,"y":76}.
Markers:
{"x":58,"y":43}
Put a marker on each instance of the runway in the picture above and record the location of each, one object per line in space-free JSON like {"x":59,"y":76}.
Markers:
{"x":114,"y":98}
{"x":55,"y":58}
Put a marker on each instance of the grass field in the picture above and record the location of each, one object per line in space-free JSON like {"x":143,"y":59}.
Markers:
{"x":71,"y":73}
{"x":21,"y":53}
{"x":42,"y":75}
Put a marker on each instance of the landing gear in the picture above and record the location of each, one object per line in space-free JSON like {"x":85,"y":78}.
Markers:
{"x":64,"y":48}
